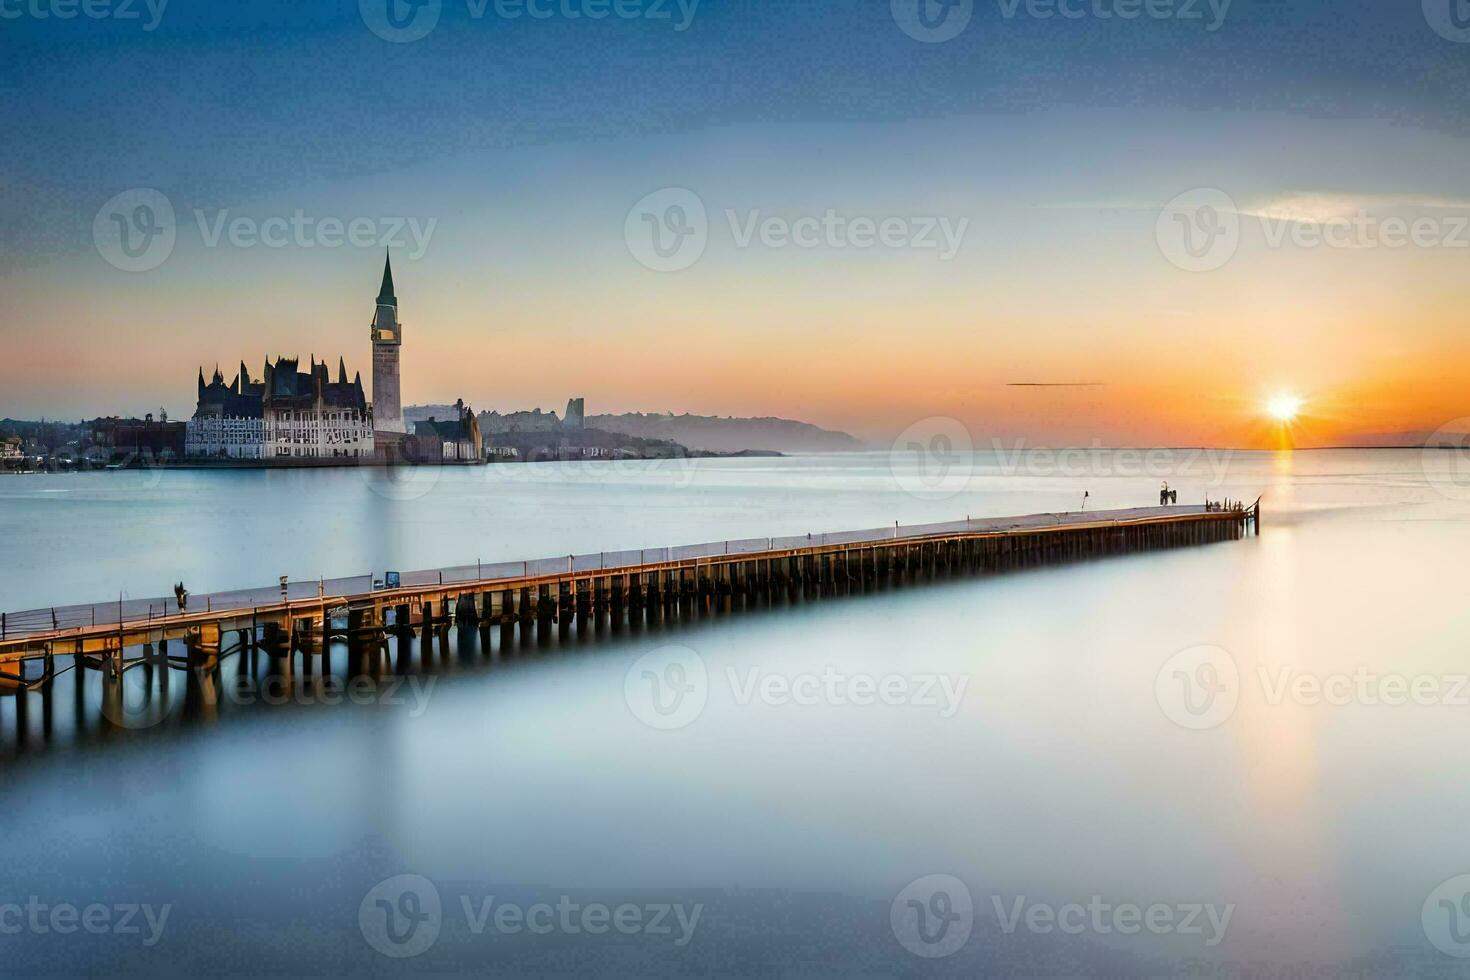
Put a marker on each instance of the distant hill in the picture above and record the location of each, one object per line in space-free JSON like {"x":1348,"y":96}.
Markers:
{"x":1402,"y":440}
{"x":728,"y":435}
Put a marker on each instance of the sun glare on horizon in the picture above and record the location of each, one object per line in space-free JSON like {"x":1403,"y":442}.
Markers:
{"x":1284,"y":407}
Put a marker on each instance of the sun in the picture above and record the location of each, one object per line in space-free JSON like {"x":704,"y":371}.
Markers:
{"x":1284,"y":407}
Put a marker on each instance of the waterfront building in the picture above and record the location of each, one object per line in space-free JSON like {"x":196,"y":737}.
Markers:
{"x":452,"y":441}
{"x":286,"y":416}
{"x":576,"y":413}
{"x":126,"y":439}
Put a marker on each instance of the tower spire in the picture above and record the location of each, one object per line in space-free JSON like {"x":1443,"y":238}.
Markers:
{"x":385,"y":295}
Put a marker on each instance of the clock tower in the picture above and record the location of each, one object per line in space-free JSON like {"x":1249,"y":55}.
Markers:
{"x":387,"y":340}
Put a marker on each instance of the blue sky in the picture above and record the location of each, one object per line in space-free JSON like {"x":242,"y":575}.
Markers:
{"x":528,"y":139}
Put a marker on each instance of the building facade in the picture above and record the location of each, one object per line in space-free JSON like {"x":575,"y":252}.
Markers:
{"x":286,"y":416}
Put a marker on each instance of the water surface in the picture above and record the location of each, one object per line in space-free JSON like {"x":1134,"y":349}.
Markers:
{"x":1058,"y":774}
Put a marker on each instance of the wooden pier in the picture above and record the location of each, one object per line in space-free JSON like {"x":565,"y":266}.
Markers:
{"x":589,"y":592}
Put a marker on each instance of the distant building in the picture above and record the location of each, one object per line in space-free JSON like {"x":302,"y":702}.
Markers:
{"x":139,"y":438}
{"x":10,"y":449}
{"x":576,"y":415}
{"x":451,"y":441}
{"x":493,"y":423}
{"x":287,"y":416}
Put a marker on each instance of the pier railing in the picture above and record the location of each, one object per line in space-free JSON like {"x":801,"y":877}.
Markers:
{"x":88,"y":617}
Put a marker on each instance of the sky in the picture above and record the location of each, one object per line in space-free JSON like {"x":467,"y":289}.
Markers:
{"x":1075,"y":222}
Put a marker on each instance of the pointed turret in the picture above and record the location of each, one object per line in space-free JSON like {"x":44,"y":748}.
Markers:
{"x":385,"y":295}
{"x":341,"y":371}
{"x":201,"y":382}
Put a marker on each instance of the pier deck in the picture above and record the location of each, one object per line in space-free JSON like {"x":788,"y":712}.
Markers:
{"x":612,"y":584}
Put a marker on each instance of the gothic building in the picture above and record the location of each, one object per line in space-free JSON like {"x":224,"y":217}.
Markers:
{"x":286,"y":416}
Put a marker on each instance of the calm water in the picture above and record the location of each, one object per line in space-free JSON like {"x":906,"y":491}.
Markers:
{"x":1044,"y":741}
